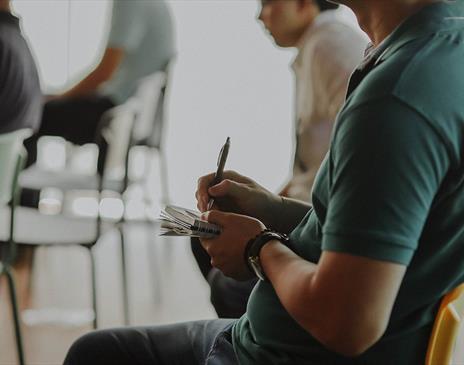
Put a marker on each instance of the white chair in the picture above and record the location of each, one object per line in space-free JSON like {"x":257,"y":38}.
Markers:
{"x":138,"y":122}
{"x":65,"y":230}
{"x":10,"y":148}
{"x":150,"y":104}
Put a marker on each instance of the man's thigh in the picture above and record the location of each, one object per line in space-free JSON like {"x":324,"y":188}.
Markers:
{"x":75,"y":119}
{"x":190,"y":343}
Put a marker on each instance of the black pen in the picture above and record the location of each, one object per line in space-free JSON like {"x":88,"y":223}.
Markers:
{"x":220,"y":168}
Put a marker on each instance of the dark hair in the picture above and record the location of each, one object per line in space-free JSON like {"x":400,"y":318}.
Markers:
{"x":325,"y":5}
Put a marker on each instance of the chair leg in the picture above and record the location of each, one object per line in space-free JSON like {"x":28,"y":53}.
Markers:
{"x":94,"y":288}
{"x":125,"y":293}
{"x":164,"y":177}
{"x":153,"y":265}
{"x":15,"y":312}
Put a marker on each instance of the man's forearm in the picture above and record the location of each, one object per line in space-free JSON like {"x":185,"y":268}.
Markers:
{"x":291,"y":277}
{"x":86,"y":86}
{"x":103,"y":72}
{"x":288,"y":214}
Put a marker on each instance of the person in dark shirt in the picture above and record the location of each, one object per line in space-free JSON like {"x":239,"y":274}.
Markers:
{"x":20,"y":95}
{"x":21,"y":104}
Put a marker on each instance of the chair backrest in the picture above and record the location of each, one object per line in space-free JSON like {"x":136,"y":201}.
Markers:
{"x":445,"y":331}
{"x":149,"y":99}
{"x":117,"y":124}
{"x":11,"y":145}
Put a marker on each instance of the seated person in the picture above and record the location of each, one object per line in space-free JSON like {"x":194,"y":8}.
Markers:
{"x":20,"y":95}
{"x":361,"y":276}
{"x":20,"y":107}
{"x":328,"y":51}
{"x":140,"y":42}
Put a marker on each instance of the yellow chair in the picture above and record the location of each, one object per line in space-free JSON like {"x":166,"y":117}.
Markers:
{"x":445,"y":331}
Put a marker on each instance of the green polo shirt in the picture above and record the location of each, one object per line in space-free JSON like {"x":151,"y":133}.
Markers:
{"x":391,"y":189}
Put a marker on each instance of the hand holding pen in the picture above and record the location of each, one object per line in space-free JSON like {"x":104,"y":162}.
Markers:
{"x":220,"y":168}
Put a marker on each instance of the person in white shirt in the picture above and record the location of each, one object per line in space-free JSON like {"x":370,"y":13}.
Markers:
{"x":329,"y":49}
{"x":140,"y":42}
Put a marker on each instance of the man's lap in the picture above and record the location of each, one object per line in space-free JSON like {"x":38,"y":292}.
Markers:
{"x":189,"y":343}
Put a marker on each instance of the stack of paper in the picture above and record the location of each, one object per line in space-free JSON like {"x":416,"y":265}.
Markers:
{"x":177,"y":221}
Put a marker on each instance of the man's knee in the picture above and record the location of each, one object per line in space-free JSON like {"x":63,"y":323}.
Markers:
{"x":89,"y":348}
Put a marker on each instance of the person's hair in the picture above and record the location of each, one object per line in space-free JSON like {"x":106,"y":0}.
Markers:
{"x":325,"y":5}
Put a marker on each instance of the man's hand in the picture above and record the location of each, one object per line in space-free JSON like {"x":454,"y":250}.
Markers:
{"x":227,"y":250}
{"x":239,"y":194}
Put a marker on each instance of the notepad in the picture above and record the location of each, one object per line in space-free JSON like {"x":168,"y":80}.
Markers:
{"x":178,"y":221}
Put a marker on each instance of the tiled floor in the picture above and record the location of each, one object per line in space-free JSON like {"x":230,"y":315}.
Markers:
{"x":164,"y":286}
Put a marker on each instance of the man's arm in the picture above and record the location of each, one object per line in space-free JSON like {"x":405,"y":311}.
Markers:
{"x":103,"y":72}
{"x":240,"y":194}
{"x":344,"y":302}
{"x":380,"y":197}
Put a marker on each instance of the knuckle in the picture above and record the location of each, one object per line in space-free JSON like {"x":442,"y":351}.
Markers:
{"x":227,"y":182}
{"x":214,"y":263}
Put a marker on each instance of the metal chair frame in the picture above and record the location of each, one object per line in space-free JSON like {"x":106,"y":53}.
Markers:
{"x":152,"y":139}
{"x":9,"y":248}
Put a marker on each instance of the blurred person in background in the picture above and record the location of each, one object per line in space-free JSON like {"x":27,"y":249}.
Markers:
{"x":20,"y":95}
{"x":140,"y":42}
{"x":329,"y":49}
{"x":21,"y":104}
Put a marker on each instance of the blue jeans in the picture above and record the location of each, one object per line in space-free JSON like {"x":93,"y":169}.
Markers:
{"x":191,"y":343}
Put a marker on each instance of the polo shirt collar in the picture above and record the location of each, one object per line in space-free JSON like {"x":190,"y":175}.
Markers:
{"x":429,"y":20}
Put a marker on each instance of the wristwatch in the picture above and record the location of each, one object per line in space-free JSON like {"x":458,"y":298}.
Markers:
{"x":254,"y":247}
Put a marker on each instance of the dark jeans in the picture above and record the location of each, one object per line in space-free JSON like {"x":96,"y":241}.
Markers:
{"x":74,"y":119}
{"x":229,"y":297}
{"x":190,"y":343}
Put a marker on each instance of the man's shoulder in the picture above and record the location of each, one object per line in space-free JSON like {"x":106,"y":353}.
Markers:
{"x":334,"y":42}
{"x":432,"y":80}
{"x":425,"y":74}
{"x":336,"y":33}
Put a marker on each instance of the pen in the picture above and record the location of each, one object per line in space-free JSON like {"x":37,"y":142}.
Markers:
{"x":220,"y":168}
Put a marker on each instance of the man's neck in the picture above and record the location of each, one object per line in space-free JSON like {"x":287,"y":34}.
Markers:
{"x":379,"y":18}
{"x":309,"y":21}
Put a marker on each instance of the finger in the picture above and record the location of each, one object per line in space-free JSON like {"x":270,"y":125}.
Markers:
{"x":206,"y":244}
{"x":227,"y":187}
{"x":216,"y":217}
{"x":201,"y":194}
{"x":235,"y":176}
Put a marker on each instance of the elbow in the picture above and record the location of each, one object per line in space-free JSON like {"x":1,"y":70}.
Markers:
{"x":350,"y":341}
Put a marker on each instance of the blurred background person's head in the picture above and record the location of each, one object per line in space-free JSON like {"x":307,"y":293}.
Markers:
{"x":287,"y":20}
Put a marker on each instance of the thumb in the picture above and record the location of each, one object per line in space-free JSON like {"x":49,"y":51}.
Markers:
{"x":216,"y":217}
{"x":228,"y":188}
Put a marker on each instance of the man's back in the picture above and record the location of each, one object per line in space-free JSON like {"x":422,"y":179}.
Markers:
{"x":144,"y":30}
{"x":20,"y":95}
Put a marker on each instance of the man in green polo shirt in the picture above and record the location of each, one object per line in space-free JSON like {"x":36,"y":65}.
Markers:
{"x":361,"y":278}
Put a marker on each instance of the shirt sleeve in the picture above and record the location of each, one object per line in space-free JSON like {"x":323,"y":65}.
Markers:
{"x":386,"y":165}
{"x":127,"y":25}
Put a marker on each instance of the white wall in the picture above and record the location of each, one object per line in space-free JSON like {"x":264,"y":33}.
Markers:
{"x":230,"y":80}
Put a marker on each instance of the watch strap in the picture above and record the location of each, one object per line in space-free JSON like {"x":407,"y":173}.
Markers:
{"x":254,"y":246}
